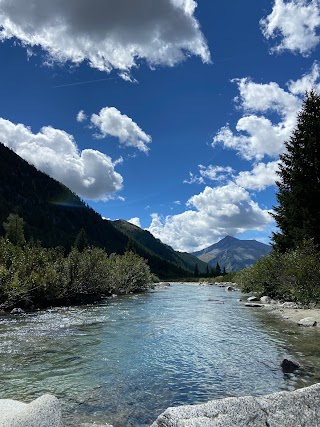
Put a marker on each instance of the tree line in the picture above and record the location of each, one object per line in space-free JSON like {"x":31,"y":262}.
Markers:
{"x":292,"y":270}
{"x":33,"y":276}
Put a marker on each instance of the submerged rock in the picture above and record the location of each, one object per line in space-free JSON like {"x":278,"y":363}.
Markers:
{"x":300,"y":408}
{"x":289,"y":365}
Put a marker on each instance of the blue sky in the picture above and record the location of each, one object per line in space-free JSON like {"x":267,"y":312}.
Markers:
{"x":167,"y":113}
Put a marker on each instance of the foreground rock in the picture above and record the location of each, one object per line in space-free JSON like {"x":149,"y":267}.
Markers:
{"x":42,"y":412}
{"x":300,"y":408}
{"x":307,"y":321}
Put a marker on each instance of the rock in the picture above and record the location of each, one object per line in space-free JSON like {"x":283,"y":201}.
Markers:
{"x":265,"y":300}
{"x":289,"y":304}
{"x":289,"y":365}
{"x":17,"y":311}
{"x":253,"y":304}
{"x":307,"y":321}
{"x":42,"y":412}
{"x":95,"y":425}
{"x":253,"y":298}
{"x":229,"y":288}
{"x":300,"y":408}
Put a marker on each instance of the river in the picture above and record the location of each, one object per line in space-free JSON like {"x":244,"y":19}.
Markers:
{"x":127,"y":359}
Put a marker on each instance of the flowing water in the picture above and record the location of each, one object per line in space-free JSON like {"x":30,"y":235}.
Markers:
{"x":126,"y":360}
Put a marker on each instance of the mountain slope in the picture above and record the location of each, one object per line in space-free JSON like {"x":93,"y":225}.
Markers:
{"x":54,"y":215}
{"x":156,"y":247}
{"x":233,"y":254}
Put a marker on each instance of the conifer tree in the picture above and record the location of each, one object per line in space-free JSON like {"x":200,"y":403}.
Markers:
{"x":81,"y":241}
{"x":218,"y":269}
{"x":14,"y":229}
{"x":196,"y":271}
{"x":298,"y":212}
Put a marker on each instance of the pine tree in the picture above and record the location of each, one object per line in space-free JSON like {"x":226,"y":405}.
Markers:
{"x":14,"y":229}
{"x":218,"y":269}
{"x":81,"y":241}
{"x":196,"y":271}
{"x":298,"y":212}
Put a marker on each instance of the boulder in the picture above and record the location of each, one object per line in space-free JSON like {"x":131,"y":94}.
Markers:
{"x":253,"y":304}
{"x":289,"y":365}
{"x":17,"y":311}
{"x":307,"y":321}
{"x":265,"y":300}
{"x":300,"y":408}
{"x":253,"y":298}
{"x":229,"y":288}
{"x":42,"y":412}
{"x":289,"y":304}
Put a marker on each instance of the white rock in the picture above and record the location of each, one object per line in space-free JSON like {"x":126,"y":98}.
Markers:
{"x":253,"y":298}
{"x":42,"y":412}
{"x":265,"y":300}
{"x":307,"y":321}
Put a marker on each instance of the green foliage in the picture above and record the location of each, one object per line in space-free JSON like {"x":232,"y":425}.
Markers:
{"x":34,"y":276}
{"x":14,"y":229}
{"x":298,"y":212}
{"x":294,"y":275}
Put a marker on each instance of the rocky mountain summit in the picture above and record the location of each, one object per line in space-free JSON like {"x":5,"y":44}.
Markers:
{"x":233,"y":254}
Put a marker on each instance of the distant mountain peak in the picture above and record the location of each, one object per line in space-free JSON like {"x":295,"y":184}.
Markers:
{"x":232,"y":253}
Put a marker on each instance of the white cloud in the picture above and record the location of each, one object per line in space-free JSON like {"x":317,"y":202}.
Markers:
{"x":307,"y":81}
{"x":214,"y":213}
{"x":110,"y":122}
{"x":135,"y":221}
{"x":193,"y":179}
{"x":256,"y":134}
{"x":262,"y":176}
{"x":216,"y":173}
{"x":295,"y":22}
{"x":88,"y":173}
{"x":107,"y":34}
{"x":81,"y":116}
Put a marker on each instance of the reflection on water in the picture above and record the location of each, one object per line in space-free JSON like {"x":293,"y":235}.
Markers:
{"x":128,"y":359}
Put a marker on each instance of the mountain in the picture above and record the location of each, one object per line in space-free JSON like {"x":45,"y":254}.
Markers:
{"x":233,"y":254}
{"x":54,"y":215}
{"x":157,"y":248}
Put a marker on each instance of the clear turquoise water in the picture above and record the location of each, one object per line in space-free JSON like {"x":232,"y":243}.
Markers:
{"x":128,"y":359}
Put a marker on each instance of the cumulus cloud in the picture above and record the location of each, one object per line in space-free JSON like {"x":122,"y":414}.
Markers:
{"x":106,"y":34}
{"x":256,"y":134}
{"x":110,"y":122}
{"x":212,"y":214}
{"x":81,"y":116}
{"x":215,"y":173}
{"x":295,"y":23}
{"x":135,"y":221}
{"x":88,"y":173}
{"x":260,"y":177}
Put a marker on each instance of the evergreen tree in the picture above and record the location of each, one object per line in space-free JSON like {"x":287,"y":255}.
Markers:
{"x":207,"y":271}
{"x":196,"y":271}
{"x":81,"y":241}
{"x":298,"y":212}
{"x":218,"y":269}
{"x":224,"y":271}
{"x":14,"y":229}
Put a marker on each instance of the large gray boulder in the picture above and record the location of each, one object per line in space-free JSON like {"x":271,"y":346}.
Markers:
{"x":300,"y":408}
{"x":42,"y":412}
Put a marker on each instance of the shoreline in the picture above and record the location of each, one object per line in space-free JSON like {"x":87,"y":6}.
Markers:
{"x":293,"y":315}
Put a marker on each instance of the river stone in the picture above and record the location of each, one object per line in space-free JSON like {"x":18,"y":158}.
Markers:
{"x":253,"y":304}
{"x":289,"y":365}
{"x":253,"y":298}
{"x":17,"y":311}
{"x":307,"y":321}
{"x":300,"y":408}
{"x":265,"y":300}
{"x":42,"y":412}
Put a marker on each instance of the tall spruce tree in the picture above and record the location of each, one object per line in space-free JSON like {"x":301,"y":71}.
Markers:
{"x":298,"y":212}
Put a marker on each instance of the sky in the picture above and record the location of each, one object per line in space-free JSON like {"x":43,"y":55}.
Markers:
{"x":170,"y":114}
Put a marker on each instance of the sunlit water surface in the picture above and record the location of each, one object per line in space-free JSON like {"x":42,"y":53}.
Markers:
{"x":126,"y":360}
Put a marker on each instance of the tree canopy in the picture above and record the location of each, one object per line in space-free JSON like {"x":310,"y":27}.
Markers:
{"x":298,"y":212}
